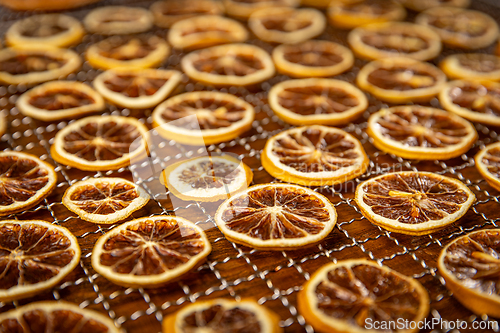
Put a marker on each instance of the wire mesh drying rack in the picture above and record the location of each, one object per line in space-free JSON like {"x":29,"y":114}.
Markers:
{"x":234,"y":271}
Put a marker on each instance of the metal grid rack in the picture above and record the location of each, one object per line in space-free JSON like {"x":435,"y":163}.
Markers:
{"x":274,"y":278}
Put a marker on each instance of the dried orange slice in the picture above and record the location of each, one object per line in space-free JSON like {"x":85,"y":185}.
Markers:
{"x":150,"y":252}
{"x":36,"y":64}
{"x":422,"y":133}
{"x":401,"y":80}
{"x":100,"y":143}
{"x":352,"y":14}
{"x":421,"y":5}
{"x":276,"y":217}
{"x":114,"y":20}
{"x":287,"y":25}
{"x":232,"y":64}
{"x":166,"y":13}
{"x":25,"y":180}
{"x":349,"y":295}
{"x":317,"y":101}
{"x":57,"y":30}
{"x":137,"y":88}
{"x":203,"y":117}
{"x":413,"y":203}
{"x":59,"y":100}
{"x":35,"y":256}
{"x":104,"y":200}
{"x":244,"y":8}
{"x":314,"y":156}
{"x":206,"y":30}
{"x":472,"y":66}
{"x":222,"y":315}
{"x":468,"y":29}
{"x":488,"y":164}
{"x":59,"y":316}
{"x":128,"y":51}
{"x":209,"y":178}
{"x":313,"y":58}
{"x":470,"y":268}
{"x":395,"y":39}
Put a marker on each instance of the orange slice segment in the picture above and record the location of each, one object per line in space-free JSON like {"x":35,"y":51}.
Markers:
{"x":35,"y":256}
{"x":317,"y":101}
{"x":59,"y":100}
{"x":276,"y":217}
{"x":423,"y":133}
{"x":166,"y":13}
{"x":488,"y":164}
{"x":104,"y":200}
{"x":100,"y":143}
{"x":242,"y":9}
{"x":314,"y":156}
{"x":347,"y":295}
{"x":413,"y":203}
{"x":203,"y":117}
{"x":150,"y":252}
{"x":421,"y":5}
{"x":137,"y":88}
{"x":352,"y":14}
{"x":472,"y":66}
{"x":114,"y":20}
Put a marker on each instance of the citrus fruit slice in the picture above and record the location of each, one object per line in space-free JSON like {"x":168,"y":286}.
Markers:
{"x":232,"y":64}
{"x":36,"y":64}
{"x":473,"y":100}
{"x":59,"y":100}
{"x":203,"y":117}
{"x":422,"y":133}
{"x":244,"y":8}
{"x":400,"y":80}
{"x":470,"y":268}
{"x":57,"y":30}
{"x":168,"y":12}
{"x":313,"y":58}
{"x":206,"y":30}
{"x":314,"y":156}
{"x":472,"y":66}
{"x":346,"y":296}
{"x":287,"y":25}
{"x":209,"y":178}
{"x":25,"y":180}
{"x":352,"y":14}
{"x":104,"y":200}
{"x":468,"y":29}
{"x":413,"y":203}
{"x":35,"y":256}
{"x":276,"y":217}
{"x":395,"y":39}
{"x":488,"y":164}
{"x":113,"y":20}
{"x":55,"y":316}
{"x":317,"y":101}
{"x":128,"y":51}
{"x":136,"y":88}
{"x":322,"y":4}
{"x":150,"y":252}
{"x":222,"y":315}
{"x":421,"y":5}
{"x":100,"y":143}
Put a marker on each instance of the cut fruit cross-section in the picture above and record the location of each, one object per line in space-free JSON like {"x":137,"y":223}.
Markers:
{"x":167,"y":12}
{"x":488,"y":164}
{"x":114,"y":20}
{"x":351,"y":14}
{"x":421,"y":5}
{"x":242,"y":9}
{"x":472,"y":66}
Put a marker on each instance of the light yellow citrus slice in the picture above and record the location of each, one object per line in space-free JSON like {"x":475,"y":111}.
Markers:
{"x":395,"y":39}
{"x":422,"y":133}
{"x":203,"y":117}
{"x":413,"y":203}
{"x":104,"y":200}
{"x":135,"y":87}
{"x":488,"y":164}
{"x":421,"y":5}
{"x":58,"y":316}
{"x":57,"y":30}
{"x":59,"y":100}
{"x":345,"y":297}
{"x":100,"y":143}
{"x":242,"y":9}
{"x":166,"y":13}
{"x":39,"y":5}
{"x":25,"y":180}
{"x":128,"y":51}
{"x":276,"y":217}
{"x":150,"y":252}
{"x":317,"y":101}
{"x":35,"y":256}
{"x":401,"y":80}
{"x":352,"y":14}
{"x":313,"y":58}
{"x":470,"y":265}
{"x":232,"y":64}
{"x":472,"y":66}
{"x":222,"y":315}
{"x":113,"y":20}
{"x":458,"y":27}
{"x":36,"y":64}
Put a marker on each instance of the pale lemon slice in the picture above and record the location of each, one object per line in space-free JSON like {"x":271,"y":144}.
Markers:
{"x":488,"y":164}
{"x":244,"y":8}
{"x":114,"y":20}
{"x":351,"y":14}
{"x":472,"y":66}
{"x":167,"y":12}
